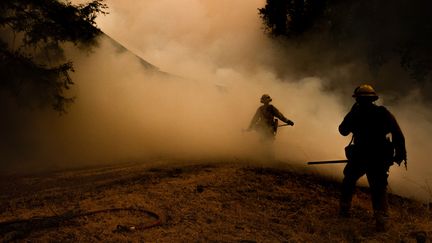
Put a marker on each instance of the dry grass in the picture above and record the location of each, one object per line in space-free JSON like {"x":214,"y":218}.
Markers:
{"x":221,"y":202}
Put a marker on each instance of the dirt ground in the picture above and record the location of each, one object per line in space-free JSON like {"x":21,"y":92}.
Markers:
{"x":194,"y":202}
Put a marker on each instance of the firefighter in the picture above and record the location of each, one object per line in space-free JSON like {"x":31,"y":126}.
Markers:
{"x":264,"y":119}
{"x":373,"y":152}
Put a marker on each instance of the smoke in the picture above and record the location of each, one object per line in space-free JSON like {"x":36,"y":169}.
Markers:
{"x":216,"y":64}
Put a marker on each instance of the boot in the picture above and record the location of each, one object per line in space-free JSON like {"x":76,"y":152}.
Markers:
{"x":381,"y":220}
{"x":344,"y":209}
{"x":380,"y":205}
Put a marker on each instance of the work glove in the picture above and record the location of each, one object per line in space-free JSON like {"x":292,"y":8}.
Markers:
{"x":291,"y":123}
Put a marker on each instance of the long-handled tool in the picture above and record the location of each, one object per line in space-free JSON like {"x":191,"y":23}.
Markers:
{"x":342,"y":161}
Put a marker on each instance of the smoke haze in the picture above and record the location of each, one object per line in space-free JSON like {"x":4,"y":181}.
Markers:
{"x":219,"y":63}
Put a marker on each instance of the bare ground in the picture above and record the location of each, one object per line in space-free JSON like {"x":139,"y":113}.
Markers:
{"x":207,"y":202}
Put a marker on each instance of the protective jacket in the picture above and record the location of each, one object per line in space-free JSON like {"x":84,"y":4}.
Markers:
{"x":371,"y":125}
{"x":264,"y":118}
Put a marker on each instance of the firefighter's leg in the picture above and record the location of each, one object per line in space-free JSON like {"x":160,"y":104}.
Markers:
{"x":377,"y":179}
{"x":352,"y":173}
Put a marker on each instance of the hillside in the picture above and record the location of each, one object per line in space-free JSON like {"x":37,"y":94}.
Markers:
{"x":194,"y":202}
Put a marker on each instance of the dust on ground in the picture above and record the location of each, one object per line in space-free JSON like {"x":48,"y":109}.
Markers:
{"x":194,"y":202}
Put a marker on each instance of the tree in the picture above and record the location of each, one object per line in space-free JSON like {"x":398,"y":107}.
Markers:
{"x":32,"y":63}
{"x":381,"y":30}
{"x":291,"y":17}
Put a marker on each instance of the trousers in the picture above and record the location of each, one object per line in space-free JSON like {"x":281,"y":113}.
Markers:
{"x":376,"y":172}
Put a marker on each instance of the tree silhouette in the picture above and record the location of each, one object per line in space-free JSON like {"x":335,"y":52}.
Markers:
{"x":291,"y":17}
{"x":382,"y":30}
{"x":32,"y":63}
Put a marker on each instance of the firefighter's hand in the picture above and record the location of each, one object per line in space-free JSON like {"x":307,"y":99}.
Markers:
{"x":291,"y":123}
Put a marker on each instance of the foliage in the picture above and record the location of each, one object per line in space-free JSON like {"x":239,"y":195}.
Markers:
{"x":382,"y":30}
{"x":32,"y":63}
{"x":291,"y":17}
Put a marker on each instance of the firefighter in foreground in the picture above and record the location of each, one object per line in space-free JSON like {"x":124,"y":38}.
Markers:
{"x":264,"y":119}
{"x":372,"y":153}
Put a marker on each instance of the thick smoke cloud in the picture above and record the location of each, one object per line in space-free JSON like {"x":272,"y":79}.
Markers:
{"x":219,"y":63}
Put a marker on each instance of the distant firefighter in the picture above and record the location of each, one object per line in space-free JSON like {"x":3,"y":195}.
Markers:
{"x":264,"y":120}
{"x":371,"y":151}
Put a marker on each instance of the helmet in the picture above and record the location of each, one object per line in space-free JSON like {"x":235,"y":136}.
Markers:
{"x":365,"y":90}
{"x":265,"y":98}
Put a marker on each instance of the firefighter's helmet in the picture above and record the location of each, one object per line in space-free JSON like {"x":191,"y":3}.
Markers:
{"x":365,"y":90}
{"x":265,"y":98}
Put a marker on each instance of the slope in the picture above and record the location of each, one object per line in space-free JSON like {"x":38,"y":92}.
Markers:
{"x":194,"y":202}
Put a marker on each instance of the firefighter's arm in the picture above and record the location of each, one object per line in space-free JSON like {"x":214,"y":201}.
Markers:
{"x":345,"y":128}
{"x":398,"y":140}
{"x":279,"y":115}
